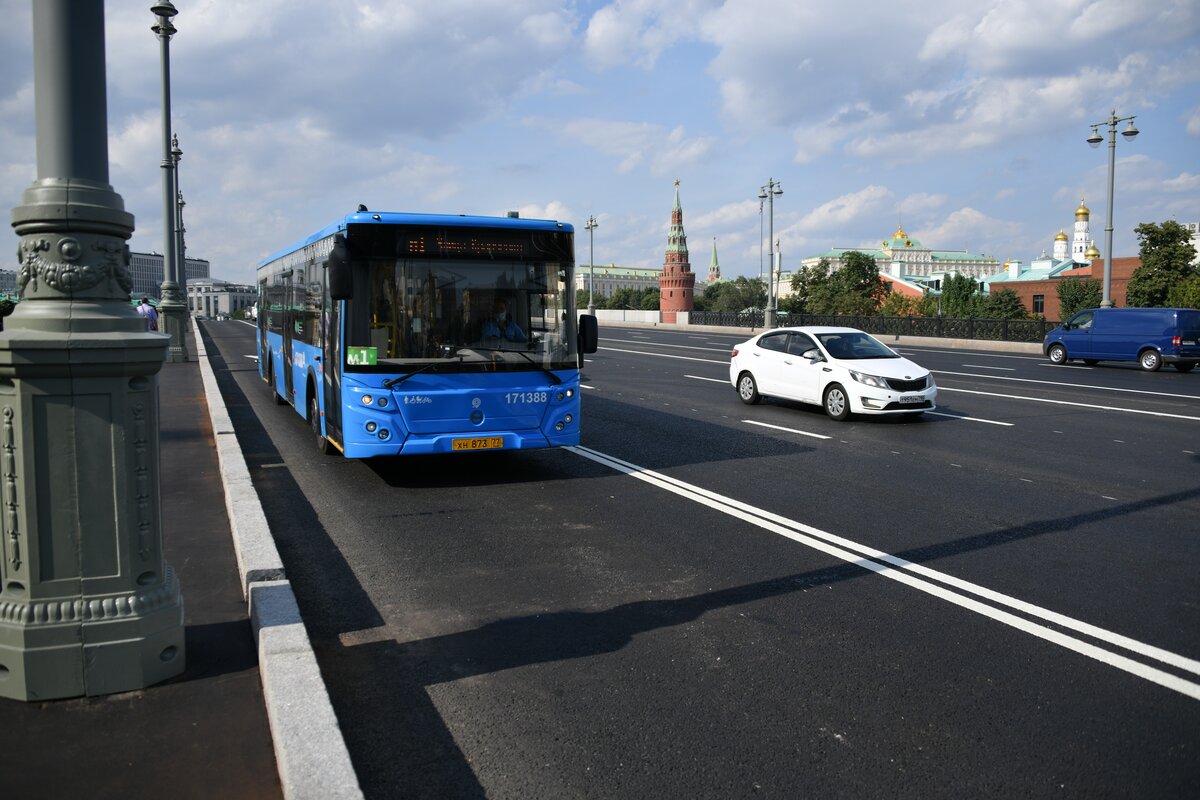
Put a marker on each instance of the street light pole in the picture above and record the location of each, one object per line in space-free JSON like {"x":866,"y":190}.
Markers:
{"x":591,"y":226}
{"x":172,"y":312}
{"x":181,"y":273}
{"x":1094,"y":140}
{"x":769,"y":192}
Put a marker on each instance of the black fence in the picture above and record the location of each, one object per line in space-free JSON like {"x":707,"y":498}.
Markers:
{"x":997,"y":330}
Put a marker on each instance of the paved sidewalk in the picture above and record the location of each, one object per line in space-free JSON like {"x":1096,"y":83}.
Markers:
{"x":204,"y":734}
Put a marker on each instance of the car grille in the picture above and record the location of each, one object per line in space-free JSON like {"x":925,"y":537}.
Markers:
{"x":907,"y":386}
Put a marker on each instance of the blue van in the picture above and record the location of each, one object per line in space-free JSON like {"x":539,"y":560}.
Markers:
{"x":1149,"y":336}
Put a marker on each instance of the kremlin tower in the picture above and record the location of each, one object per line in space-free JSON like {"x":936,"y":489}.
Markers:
{"x":677,"y":282}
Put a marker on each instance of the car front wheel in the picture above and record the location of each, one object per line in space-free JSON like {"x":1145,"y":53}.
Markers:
{"x":748,"y":389}
{"x":837,"y":404}
{"x":1057,"y":354}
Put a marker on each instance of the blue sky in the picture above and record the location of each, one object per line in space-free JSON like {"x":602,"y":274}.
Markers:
{"x":964,"y":120}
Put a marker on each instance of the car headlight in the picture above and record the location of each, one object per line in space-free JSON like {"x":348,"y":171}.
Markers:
{"x":869,"y":380}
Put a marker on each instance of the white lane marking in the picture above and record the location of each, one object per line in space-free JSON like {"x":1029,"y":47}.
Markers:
{"x":252,"y":357}
{"x":1065,"y":366}
{"x":585,"y":386}
{"x":664,"y":355}
{"x":918,"y":577}
{"x":917,"y":350}
{"x":1068,"y":403}
{"x":970,"y":419}
{"x":726,"y":349}
{"x":789,"y":430}
{"x":985,"y":366}
{"x":702,"y":378}
{"x":1068,"y":385}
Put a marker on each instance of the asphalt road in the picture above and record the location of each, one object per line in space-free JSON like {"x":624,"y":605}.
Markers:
{"x":710,"y":599}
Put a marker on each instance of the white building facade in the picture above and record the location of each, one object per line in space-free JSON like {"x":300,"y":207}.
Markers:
{"x":210,"y":297}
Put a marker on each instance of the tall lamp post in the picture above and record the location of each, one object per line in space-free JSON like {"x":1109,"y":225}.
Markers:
{"x":591,"y":226}
{"x":181,"y":275}
{"x":769,"y":192}
{"x":1094,"y":140}
{"x":172,"y":312}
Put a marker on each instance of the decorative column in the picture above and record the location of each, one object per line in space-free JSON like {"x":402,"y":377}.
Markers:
{"x":88,"y":606}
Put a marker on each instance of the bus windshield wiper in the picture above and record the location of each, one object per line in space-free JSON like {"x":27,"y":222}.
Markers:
{"x":391,"y":383}
{"x":529,"y":358}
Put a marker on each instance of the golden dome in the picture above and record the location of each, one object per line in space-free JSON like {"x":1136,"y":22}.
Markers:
{"x":1092,"y":253}
{"x":899,"y":234}
{"x":1062,"y":237}
{"x":1082,"y":212}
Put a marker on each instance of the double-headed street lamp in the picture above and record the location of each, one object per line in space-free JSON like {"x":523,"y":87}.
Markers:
{"x":1094,"y":140}
{"x":591,"y":226}
{"x":769,"y":192}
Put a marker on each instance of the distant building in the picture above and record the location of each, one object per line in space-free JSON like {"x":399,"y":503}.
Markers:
{"x":146,"y":270}
{"x":8,"y":282}
{"x":611,"y":277}
{"x":714,"y":268}
{"x":677,"y":284}
{"x":903,"y":256}
{"x":1194,"y":229}
{"x":210,"y":297}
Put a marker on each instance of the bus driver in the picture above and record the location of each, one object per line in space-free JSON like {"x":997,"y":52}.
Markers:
{"x":501,"y":327}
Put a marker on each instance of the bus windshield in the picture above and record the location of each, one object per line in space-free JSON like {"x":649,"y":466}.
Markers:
{"x":446,"y":315}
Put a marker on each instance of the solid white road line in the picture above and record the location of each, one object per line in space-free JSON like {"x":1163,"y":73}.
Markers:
{"x":665,"y":355}
{"x":920,"y":577}
{"x":714,"y":380}
{"x":985,"y":366}
{"x":1068,"y":403}
{"x":1068,"y":385}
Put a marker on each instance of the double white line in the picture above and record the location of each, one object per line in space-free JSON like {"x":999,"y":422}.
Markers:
{"x":1036,"y":622}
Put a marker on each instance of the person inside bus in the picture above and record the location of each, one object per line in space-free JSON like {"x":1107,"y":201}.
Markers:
{"x":501,"y":327}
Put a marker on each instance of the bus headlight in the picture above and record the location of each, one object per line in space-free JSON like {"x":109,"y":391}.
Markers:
{"x":371,"y":426}
{"x":558,"y":426}
{"x":385,"y":434}
{"x":382,"y":402}
{"x":367,"y":399}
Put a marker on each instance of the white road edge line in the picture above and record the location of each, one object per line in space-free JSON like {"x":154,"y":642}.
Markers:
{"x":942,"y":388}
{"x":1068,"y":385}
{"x":702,"y":378}
{"x":788,"y":430}
{"x":663,"y":355}
{"x":905,"y":572}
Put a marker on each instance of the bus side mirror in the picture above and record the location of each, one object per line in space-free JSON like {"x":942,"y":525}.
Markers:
{"x":341,"y":280}
{"x":589,"y":333}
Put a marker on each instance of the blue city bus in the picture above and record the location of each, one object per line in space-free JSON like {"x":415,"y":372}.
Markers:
{"x":396,"y":334}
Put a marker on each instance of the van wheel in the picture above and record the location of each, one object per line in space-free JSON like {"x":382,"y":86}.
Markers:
{"x":1150,"y":360}
{"x":748,"y":389}
{"x":1184,"y":366}
{"x":1057,"y":354}
{"x":837,"y":404}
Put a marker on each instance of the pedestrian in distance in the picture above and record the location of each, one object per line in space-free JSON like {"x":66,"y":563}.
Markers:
{"x":149,"y":312}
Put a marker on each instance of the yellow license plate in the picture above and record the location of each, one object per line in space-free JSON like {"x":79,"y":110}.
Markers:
{"x":479,"y":443}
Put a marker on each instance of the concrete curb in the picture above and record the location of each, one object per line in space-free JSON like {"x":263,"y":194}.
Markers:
{"x":310,"y":753}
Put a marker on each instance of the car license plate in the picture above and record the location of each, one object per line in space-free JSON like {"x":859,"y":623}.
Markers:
{"x":478,"y":443}
{"x":910,"y":398}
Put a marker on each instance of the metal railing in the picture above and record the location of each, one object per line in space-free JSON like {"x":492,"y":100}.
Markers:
{"x":1000,"y":330}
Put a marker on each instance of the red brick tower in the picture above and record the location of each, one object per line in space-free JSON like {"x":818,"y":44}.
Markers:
{"x":677,"y":282}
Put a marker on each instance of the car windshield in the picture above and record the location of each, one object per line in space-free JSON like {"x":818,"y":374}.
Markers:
{"x":854,"y":345}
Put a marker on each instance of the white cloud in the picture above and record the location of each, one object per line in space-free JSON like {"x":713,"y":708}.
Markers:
{"x":636,"y":32}
{"x":969,"y":229}
{"x":635,"y":144}
{"x":1193,"y":122}
{"x":845,"y":209}
{"x":552,"y":210}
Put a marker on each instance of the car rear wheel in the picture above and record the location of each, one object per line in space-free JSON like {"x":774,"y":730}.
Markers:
{"x":748,"y":389}
{"x":1150,"y":360}
{"x":837,"y":404}
{"x":1057,"y":354}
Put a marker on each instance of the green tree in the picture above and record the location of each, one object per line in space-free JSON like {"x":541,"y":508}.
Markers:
{"x":1185,"y":294}
{"x":1167,"y":254}
{"x":858,"y":288}
{"x":960,"y":296}
{"x":650,"y":299}
{"x":813,"y":290}
{"x":1003,"y":304}
{"x":738,"y":294}
{"x":899,"y":305}
{"x":1076,"y":294}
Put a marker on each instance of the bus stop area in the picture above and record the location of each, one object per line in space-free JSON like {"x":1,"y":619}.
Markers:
{"x":203,"y":734}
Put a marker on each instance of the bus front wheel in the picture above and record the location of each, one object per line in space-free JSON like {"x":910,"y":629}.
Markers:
{"x":314,"y":419}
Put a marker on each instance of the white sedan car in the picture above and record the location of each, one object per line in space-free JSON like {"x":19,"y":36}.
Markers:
{"x":845,"y":370}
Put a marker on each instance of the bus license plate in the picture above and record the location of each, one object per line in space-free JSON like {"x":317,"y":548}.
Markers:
{"x":478,"y":443}
{"x":910,"y":398}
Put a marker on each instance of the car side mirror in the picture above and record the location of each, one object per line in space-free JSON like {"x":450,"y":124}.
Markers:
{"x":812,"y":354}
